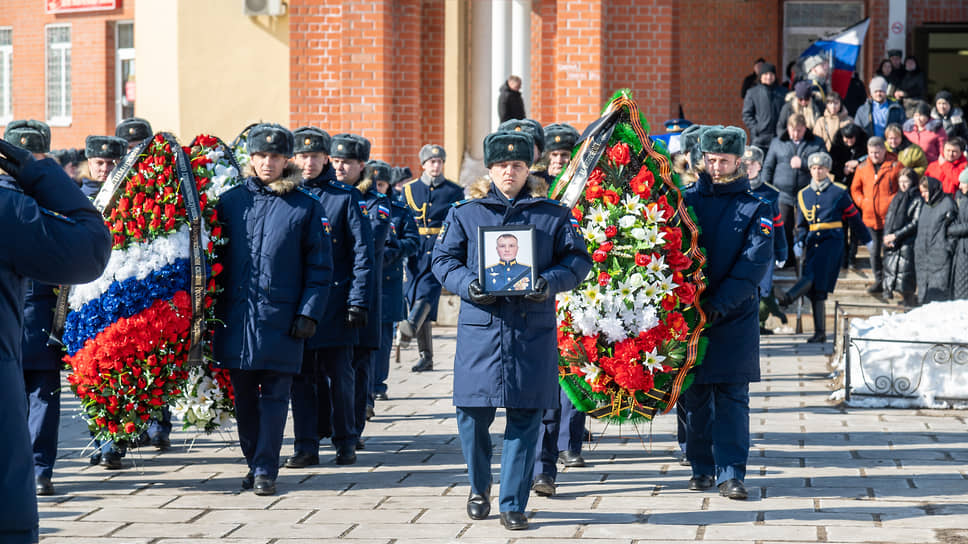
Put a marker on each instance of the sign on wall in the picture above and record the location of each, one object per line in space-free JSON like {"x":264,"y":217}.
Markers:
{"x":76,"y":6}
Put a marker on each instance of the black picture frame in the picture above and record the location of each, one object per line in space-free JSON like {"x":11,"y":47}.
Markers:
{"x":506,"y":277}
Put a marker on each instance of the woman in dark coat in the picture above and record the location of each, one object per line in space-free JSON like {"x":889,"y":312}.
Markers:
{"x":900,"y":226}
{"x":958,"y":234}
{"x":932,"y":250}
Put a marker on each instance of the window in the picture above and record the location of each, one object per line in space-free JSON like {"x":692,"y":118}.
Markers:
{"x":805,"y":22}
{"x":59,"y":75}
{"x":124,"y":71}
{"x":6,"y":75}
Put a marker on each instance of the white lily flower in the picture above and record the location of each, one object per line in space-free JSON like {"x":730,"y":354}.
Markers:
{"x":656,"y":266}
{"x":598,"y":216}
{"x":654,"y":214}
{"x":653,"y":361}
{"x":632,"y":203}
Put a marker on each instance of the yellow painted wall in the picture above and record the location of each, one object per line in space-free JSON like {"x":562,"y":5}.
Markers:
{"x":224,"y":69}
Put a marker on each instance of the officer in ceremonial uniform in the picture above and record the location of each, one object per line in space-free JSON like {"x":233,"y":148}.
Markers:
{"x":506,"y":345}
{"x":507,"y":274}
{"x":133,"y":130}
{"x":429,"y":199}
{"x":562,"y":429}
{"x":52,"y":235}
{"x":403,"y":241}
{"x":753,"y":160}
{"x":533,"y":128}
{"x":277,"y":278}
{"x":41,"y":364}
{"x":103,"y":154}
{"x":350,"y":153}
{"x":737,"y":234}
{"x":323,"y":392}
{"x":824,"y":207}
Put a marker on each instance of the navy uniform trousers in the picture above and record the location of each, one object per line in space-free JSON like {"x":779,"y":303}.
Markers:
{"x":323,"y":399}
{"x":261,"y":407}
{"x":562,"y":429}
{"x":728,"y":404}
{"x":43,"y":417}
{"x":517,"y":455}
{"x":381,"y":362}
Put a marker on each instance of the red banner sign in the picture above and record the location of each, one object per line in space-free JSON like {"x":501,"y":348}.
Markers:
{"x":77,"y":6}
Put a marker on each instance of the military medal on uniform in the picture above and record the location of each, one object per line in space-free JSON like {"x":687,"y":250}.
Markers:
{"x":505,"y":257}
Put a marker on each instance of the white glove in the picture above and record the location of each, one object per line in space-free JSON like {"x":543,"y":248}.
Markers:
{"x":870,"y":247}
{"x":779,"y":264}
{"x":798,"y":249}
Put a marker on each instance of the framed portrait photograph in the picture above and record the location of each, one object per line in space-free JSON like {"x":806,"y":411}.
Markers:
{"x":506,"y":259}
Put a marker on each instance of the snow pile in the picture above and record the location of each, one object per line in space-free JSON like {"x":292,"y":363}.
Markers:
{"x":932,"y":374}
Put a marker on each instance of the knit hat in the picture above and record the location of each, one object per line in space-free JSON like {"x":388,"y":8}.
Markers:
{"x":432,"y":151}
{"x":878,"y":83}
{"x":943,"y":95}
{"x":894,"y":53}
{"x":963,"y":176}
{"x":766,"y":67}
{"x":802,"y":89}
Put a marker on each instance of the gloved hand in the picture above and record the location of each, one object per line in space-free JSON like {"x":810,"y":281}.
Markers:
{"x":798,"y":249}
{"x":356,"y":317}
{"x":779,"y":264}
{"x":303,"y":327}
{"x":870,"y":247}
{"x":541,"y":291}
{"x":14,"y":159}
{"x":712,"y":316}
{"x":477,"y":294}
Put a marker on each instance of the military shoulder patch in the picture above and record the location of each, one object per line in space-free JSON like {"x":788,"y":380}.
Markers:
{"x":461,"y":202}
{"x":766,"y":226}
{"x":383,"y":211}
{"x":576,"y":225}
{"x":362,"y":204}
{"x":443,"y":230}
{"x":307,"y":192}
{"x":398,"y":204}
{"x":757,"y":197}
{"x":327,"y":228}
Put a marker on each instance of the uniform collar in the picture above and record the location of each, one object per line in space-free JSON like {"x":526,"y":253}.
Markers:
{"x":707,"y":187}
{"x":512,"y":262}
{"x":324,"y":177}
{"x":432,"y":181}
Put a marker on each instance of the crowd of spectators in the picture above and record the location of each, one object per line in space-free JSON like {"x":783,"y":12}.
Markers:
{"x":900,"y":152}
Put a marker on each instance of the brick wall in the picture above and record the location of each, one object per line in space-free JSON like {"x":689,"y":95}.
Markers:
{"x":92,"y":62}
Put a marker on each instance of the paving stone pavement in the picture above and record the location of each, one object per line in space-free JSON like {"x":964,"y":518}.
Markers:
{"x":817,"y":473}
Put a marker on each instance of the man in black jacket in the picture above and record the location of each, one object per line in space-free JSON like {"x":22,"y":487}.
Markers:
{"x":510,"y":104}
{"x":761,"y":107}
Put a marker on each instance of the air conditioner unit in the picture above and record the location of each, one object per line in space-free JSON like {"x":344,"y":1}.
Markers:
{"x":271,"y":8}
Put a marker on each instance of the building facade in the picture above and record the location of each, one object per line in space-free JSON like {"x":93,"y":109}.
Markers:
{"x":407,"y":72}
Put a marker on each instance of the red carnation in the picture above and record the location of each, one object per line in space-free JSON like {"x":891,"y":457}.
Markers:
{"x":619,"y":154}
{"x":606,"y":246}
{"x":641,"y":184}
{"x":129,"y":427}
{"x":604,"y":278}
{"x":611,"y":231}
{"x":594,"y":192}
{"x":112,"y":427}
{"x":599,"y":256}
{"x":216,"y":269}
{"x":611,"y":197}
{"x":642,"y":259}
{"x":673,"y":238}
{"x":575,"y":212}
{"x":596,"y":177}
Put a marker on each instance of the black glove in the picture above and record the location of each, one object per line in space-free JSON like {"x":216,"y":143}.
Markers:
{"x":541,"y":291}
{"x":477,"y":294}
{"x":302,"y":327}
{"x":712,"y":316}
{"x":355,"y":317}
{"x":14,"y":159}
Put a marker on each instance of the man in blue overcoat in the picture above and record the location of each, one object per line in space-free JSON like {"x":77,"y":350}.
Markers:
{"x":52,"y":235}
{"x":737,"y":235}
{"x":429,"y":199}
{"x":350,"y":153}
{"x":277,"y":278}
{"x":824,"y":207}
{"x":506,"y":345}
{"x":323,"y":392}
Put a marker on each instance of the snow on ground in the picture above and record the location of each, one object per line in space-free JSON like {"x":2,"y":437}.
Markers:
{"x":930,"y":372}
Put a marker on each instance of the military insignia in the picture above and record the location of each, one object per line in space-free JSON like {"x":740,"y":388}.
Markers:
{"x":517,"y":128}
{"x":308,"y":141}
{"x":339,"y":147}
{"x":383,"y":211}
{"x":131,"y":130}
{"x":363,"y":207}
{"x":269,"y":138}
{"x":719,"y":140}
{"x":576,"y":225}
{"x":766,"y":226}
{"x":443,"y":229}
{"x":104,"y":147}
{"x":510,"y":147}
{"x":557,"y":138}
{"x":23,"y":140}
{"x":435,"y":151}
{"x":675,"y":128}
{"x":326,"y":226}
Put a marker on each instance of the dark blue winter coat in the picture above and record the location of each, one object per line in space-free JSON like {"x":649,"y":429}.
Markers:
{"x":278,"y":264}
{"x":429,"y":206}
{"x":90,"y":187}
{"x":819,"y":229}
{"x":507,"y":352}
{"x":402,"y":242}
{"x":378,"y":211}
{"x":39,"y":306}
{"x":352,"y":258}
{"x":52,"y":234}
{"x":737,"y":235}
{"x":769,"y":193}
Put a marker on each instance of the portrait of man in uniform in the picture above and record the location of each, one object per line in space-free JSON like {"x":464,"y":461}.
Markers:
{"x":506,"y":260}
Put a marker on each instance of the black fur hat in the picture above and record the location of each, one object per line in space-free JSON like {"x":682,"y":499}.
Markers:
{"x":530,"y":126}
{"x":311,"y":140}
{"x":729,"y":140}
{"x":400,"y":173}
{"x":560,"y":137}
{"x":350,"y":146}
{"x":34,"y":136}
{"x":378,"y":171}
{"x":503,"y":146}
{"x":270,"y":138}
{"x":105,"y":147}
{"x":134,"y":129}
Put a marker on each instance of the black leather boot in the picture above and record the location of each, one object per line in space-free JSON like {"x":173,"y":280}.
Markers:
{"x":819,"y":323}
{"x":425,"y":345}
{"x":410,"y":328}
{"x":800,"y":288}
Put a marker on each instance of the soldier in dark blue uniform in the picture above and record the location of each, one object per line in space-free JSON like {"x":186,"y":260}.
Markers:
{"x":402,"y":242}
{"x":323,"y":392}
{"x":429,"y":199}
{"x":562,"y":429}
{"x":737,"y":234}
{"x":135,"y":130}
{"x":103,"y":154}
{"x":753,"y":160}
{"x":52,"y":235}
{"x":41,"y":364}
{"x":506,"y":345}
{"x":350,"y":153}
{"x":277,"y":278}
{"x":824,"y":206}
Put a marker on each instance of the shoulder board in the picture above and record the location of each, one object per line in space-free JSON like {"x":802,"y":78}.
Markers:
{"x":340,"y":185}
{"x":378,"y":194}
{"x":461,"y":202}
{"x":307,"y":192}
{"x":771,"y":186}
{"x":398,"y":204}
{"x":56,"y":215}
{"x":841,"y":185}
{"x":757,"y":197}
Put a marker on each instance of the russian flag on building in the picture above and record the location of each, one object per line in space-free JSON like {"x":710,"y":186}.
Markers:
{"x":841,"y":51}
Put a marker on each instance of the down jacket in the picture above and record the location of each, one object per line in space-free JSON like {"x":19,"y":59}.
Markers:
{"x":873,"y":190}
{"x":932,"y":248}
{"x":902,"y":222}
{"x":958,"y":234}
